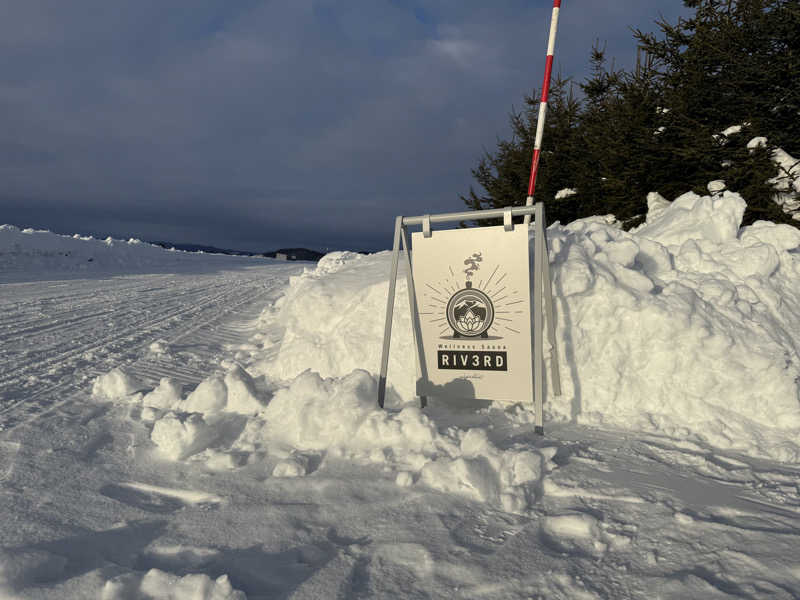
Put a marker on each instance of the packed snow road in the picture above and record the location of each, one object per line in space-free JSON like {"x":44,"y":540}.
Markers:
{"x":57,"y":335}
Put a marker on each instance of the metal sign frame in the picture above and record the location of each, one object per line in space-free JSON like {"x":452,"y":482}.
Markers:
{"x":541,"y":303}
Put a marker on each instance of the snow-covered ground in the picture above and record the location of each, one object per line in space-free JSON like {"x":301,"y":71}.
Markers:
{"x":193,"y":426}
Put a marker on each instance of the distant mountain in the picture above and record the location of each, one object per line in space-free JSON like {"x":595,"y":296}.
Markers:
{"x":201,"y":248}
{"x":287,"y":253}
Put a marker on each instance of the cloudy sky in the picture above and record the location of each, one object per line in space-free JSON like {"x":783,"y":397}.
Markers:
{"x":263,"y":124}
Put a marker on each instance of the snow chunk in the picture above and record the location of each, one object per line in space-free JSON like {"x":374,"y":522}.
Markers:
{"x":574,"y":532}
{"x":716,"y":187}
{"x":732,"y":130}
{"x":242,"y":397}
{"x":166,"y":396}
{"x":159,"y":347}
{"x":474,"y":478}
{"x":150,"y":414}
{"x":692,"y":217}
{"x":115,"y":385}
{"x":757,"y":142}
{"x":294,"y":466}
{"x":181,"y":435}
{"x":404,"y":479}
{"x":209,"y":397}
{"x":565,"y":193}
{"x":656,"y":204}
{"x":781,"y":237}
{"x":235,"y":393}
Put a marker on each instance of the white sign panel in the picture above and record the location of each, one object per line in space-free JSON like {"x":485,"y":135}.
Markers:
{"x":473,"y":297}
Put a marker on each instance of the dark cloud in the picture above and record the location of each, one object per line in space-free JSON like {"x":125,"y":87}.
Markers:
{"x":262,"y":124}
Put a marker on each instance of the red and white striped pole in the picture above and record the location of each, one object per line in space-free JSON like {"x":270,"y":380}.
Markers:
{"x":548,"y":70}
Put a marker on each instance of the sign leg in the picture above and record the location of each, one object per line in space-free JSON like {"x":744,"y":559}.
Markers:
{"x":387,"y":330}
{"x":422,"y":369}
{"x":548,"y":307}
{"x":538,"y":349}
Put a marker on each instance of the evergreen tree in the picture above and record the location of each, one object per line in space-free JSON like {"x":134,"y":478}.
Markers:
{"x":733,"y":63}
{"x":618,"y":131}
{"x":660,"y":127}
{"x":504,"y":174}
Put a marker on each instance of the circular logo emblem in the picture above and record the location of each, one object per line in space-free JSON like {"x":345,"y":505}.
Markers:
{"x":470,"y":312}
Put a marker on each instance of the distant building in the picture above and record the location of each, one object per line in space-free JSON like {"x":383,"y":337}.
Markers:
{"x":295,"y":254}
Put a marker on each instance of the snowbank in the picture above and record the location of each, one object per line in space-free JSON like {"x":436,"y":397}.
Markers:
{"x":688,"y":326}
{"x":25,"y":252}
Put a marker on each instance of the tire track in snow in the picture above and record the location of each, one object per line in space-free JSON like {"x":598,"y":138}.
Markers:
{"x":211,"y":337}
{"x":134,"y":329}
{"x":79,"y":336}
{"x":188,"y":305}
{"x":66,"y":389}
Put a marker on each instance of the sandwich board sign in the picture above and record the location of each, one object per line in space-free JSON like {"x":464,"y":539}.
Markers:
{"x":473,"y":299}
{"x":476,"y":320}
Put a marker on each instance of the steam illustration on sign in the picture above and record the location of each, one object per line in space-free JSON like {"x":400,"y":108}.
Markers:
{"x":478,"y":308}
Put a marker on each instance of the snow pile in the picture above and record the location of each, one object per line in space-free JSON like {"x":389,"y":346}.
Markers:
{"x":688,"y":326}
{"x":339,"y":417}
{"x":226,"y":422}
{"x":26,"y":251}
{"x":185,"y":426}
